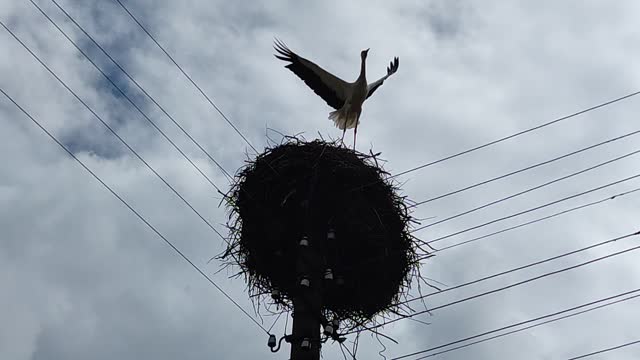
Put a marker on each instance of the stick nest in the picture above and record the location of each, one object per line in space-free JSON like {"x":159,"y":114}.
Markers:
{"x":299,"y":189}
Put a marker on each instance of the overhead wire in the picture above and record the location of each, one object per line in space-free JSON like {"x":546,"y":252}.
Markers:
{"x":134,"y":211}
{"x":172,"y":59}
{"x":599,"y":304}
{"x":275,"y":322}
{"x":135,"y":19}
{"x":522,"y":132}
{"x":135,"y":82}
{"x":522,"y":267}
{"x":527,"y":223}
{"x":500,"y":177}
{"x":592,"y":108}
{"x":506,"y":287}
{"x":602,"y":351}
{"x":162,"y":48}
{"x":556,"y":214}
{"x":566,"y":117}
{"x":115,"y":133}
{"x":537,"y":187}
{"x":535,"y":208}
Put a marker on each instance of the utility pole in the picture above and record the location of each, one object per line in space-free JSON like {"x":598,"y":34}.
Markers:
{"x":305,"y":340}
{"x":307,"y":303}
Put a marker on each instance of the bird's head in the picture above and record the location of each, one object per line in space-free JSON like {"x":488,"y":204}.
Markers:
{"x":363,"y":54}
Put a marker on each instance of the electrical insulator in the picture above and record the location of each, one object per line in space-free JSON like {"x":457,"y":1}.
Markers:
{"x":328,"y":274}
{"x":272,"y":341}
{"x":328,"y":330}
{"x":306,"y":344}
{"x":304,"y":241}
{"x":305,"y":282}
{"x":331,"y":234}
{"x":335,"y":323}
{"x":275,"y":294}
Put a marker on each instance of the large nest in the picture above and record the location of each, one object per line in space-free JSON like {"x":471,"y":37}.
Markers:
{"x":299,"y":189}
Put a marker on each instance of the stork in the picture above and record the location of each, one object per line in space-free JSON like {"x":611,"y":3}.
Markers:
{"x":345,"y":97}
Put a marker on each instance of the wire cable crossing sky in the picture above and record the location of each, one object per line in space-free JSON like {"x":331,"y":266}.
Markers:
{"x":117,"y":136}
{"x":524,"y":225}
{"x":512,"y":285}
{"x":132,"y":102}
{"x":186,"y":75}
{"x":597,"y":307}
{"x":137,"y":214}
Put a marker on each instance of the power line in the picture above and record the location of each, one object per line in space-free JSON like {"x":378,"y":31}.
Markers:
{"x":506,"y":287}
{"x":493,"y":291}
{"x":403,"y":172}
{"x":610,"y":102}
{"x":229,"y":177}
{"x":529,"y":210}
{"x":556,"y":257}
{"x":186,"y":75}
{"x":524,"y":169}
{"x":606,"y":350}
{"x":491,"y":203}
{"x":135,"y":212}
{"x":531,"y":222}
{"x":115,"y":133}
{"x":275,"y":322}
{"x":538,"y":220}
{"x":153,"y":124}
{"x":517,"y":134}
{"x":598,"y":304}
{"x":526,"y":322}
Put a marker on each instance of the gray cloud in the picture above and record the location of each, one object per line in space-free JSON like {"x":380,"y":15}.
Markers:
{"x":81,"y":277}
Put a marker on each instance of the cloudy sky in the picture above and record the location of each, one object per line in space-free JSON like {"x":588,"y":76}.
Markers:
{"x":81,"y":277}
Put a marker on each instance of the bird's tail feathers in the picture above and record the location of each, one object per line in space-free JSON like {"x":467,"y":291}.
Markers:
{"x":343,"y":118}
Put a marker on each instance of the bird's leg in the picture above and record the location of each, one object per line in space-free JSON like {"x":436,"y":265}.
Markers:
{"x":355,"y":132}
{"x":344,"y":131}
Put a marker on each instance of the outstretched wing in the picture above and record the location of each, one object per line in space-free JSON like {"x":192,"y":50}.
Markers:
{"x":393,"y":67}
{"x":329,"y":87}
